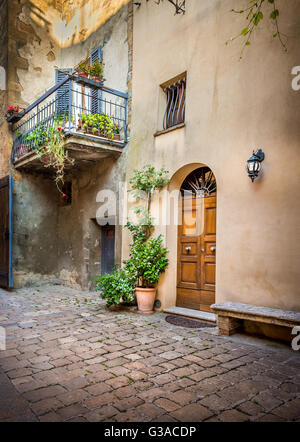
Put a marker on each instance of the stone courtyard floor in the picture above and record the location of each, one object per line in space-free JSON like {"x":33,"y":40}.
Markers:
{"x":70,"y":359}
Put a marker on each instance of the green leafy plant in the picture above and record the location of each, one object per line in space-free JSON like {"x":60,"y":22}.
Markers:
{"x":96,"y":70}
{"x":147,"y":261}
{"x":100,"y":123}
{"x":55,"y":155}
{"x":116,"y":288}
{"x":148,"y":258}
{"x":83,"y":68}
{"x":255,"y":13}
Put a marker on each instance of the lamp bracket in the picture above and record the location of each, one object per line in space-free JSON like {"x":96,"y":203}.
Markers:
{"x":259,"y":154}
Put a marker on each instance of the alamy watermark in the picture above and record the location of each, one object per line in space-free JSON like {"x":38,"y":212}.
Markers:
{"x":296,"y":79}
{"x":296,"y":340}
{"x":168,"y":208}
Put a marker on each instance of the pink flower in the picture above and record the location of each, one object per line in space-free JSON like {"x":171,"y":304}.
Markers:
{"x":64,"y":195}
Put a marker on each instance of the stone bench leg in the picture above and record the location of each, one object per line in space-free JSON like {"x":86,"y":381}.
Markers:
{"x":228,"y":326}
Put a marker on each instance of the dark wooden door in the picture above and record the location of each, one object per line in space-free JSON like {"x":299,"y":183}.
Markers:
{"x":197,"y":254}
{"x":6,"y":185}
{"x":107,"y":249}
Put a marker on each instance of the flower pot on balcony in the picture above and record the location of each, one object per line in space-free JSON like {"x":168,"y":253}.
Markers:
{"x":97,"y":79}
{"x":145,"y":300}
{"x":117,"y":137}
{"x":83,"y":74}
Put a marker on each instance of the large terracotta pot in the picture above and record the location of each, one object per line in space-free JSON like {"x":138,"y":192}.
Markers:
{"x":145,"y":300}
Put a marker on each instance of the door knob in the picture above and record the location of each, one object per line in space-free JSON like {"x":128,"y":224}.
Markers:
{"x":202,"y":250}
{"x":188,"y":249}
{"x":213,"y":249}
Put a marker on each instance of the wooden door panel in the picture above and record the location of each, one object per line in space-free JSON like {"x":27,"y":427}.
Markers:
{"x":107,"y":249}
{"x":191,"y":251}
{"x":210,"y":276}
{"x":188,"y":298}
{"x":197,"y":256}
{"x":6,"y":279}
{"x":189,"y":272}
{"x":210,"y":219}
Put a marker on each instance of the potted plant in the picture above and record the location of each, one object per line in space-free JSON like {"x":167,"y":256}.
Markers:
{"x":83,"y":70}
{"x":96,"y":72}
{"x":116,"y":132}
{"x":147,"y":261}
{"x":11,"y":110}
{"x":148,"y":258}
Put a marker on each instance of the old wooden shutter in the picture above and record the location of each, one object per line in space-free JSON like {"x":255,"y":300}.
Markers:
{"x":63,"y":97}
{"x":96,"y":55}
{"x":6,"y":231}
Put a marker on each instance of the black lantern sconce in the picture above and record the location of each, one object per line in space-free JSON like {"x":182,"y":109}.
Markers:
{"x":254,"y":164}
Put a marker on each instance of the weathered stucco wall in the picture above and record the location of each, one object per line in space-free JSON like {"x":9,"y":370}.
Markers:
{"x":5,"y":136}
{"x":52,"y":241}
{"x":232,"y":108}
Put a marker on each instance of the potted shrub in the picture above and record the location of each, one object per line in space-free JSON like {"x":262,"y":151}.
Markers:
{"x":148,"y":258}
{"x":116,"y":132}
{"x":147,"y":261}
{"x":83,"y":70}
{"x":96,"y":72}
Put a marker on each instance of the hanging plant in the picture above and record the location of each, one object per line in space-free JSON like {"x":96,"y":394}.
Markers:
{"x":53,"y":154}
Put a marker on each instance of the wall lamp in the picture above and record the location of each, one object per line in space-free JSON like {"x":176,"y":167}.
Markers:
{"x":254,"y":164}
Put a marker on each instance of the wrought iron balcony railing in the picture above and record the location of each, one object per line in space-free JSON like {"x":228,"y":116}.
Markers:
{"x":77,"y":106}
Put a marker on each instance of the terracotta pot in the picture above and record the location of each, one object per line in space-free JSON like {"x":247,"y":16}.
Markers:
{"x":83,"y":74}
{"x":145,"y":300}
{"x":97,"y":79}
{"x":117,"y":137}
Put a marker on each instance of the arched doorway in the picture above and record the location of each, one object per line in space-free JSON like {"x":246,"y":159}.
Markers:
{"x":197,"y":241}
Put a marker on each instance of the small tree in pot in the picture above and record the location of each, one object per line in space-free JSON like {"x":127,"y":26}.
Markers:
{"x":148,"y":258}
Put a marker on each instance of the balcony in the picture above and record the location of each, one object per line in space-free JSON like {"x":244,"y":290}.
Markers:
{"x":91,"y":117}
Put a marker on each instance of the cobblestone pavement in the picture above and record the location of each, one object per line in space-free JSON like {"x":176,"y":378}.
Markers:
{"x":72,"y":360}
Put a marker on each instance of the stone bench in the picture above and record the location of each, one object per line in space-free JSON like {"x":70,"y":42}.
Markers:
{"x":232,"y":317}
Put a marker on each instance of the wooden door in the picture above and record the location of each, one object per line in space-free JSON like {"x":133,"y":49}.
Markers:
{"x":197,"y":254}
{"x":6,"y":185}
{"x":107,"y":249}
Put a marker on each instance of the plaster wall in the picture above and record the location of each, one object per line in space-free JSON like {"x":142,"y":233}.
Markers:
{"x":52,"y":241}
{"x":232,"y":108}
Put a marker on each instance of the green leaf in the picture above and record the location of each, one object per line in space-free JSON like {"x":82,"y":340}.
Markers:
{"x":274,"y":14}
{"x":245,"y":31}
{"x":257,"y":17}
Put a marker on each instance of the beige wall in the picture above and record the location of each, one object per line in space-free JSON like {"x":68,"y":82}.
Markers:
{"x":232,"y":108}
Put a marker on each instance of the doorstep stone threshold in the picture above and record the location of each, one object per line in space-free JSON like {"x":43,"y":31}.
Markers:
{"x":189,"y":313}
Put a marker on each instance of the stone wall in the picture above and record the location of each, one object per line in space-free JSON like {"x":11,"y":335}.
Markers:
{"x":53,"y":242}
{"x":4,"y":132}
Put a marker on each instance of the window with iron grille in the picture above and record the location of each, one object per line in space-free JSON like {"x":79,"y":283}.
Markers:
{"x":175,"y":91}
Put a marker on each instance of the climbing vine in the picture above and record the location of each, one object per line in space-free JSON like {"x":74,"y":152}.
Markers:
{"x":254,"y":13}
{"x":53,"y":154}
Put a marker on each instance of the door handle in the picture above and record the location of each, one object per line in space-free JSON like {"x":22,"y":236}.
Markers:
{"x":188,"y":249}
{"x":213,"y":248}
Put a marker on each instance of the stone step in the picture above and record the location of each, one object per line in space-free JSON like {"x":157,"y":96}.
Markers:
{"x":189,"y":313}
